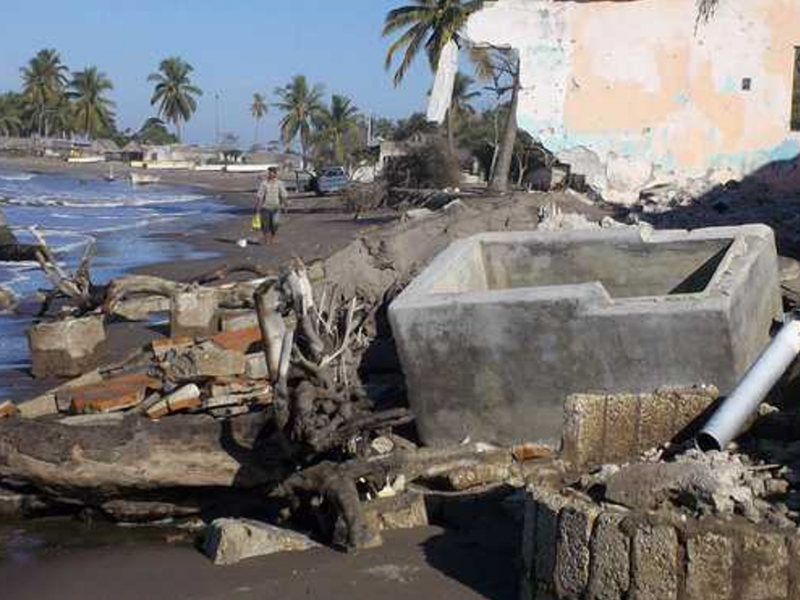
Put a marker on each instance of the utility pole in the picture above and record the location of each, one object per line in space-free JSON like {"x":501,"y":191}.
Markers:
{"x":216,"y":119}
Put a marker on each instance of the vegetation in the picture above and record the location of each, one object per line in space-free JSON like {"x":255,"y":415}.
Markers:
{"x":303,"y":108}
{"x":259,"y":109}
{"x":93,"y":111}
{"x":428,"y":25}
{"x":43,"y":82}
{"x":154,"y":132}
{"x":336,"y":124}
{"x":10,"y":114}
{"x":175,"y":94}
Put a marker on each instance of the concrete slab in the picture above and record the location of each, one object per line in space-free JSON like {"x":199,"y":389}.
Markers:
{"x":502,"y":327}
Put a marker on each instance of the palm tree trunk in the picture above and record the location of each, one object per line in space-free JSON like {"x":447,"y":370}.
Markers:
{"x":499,"y":182}
{"x":451,"y":142}
{"x":255,"y":137}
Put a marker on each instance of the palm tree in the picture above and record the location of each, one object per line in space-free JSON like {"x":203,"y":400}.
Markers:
{"x":336,"y":122}
{"x":302,"y":108}
{"x":428,"y":24}
{"x":43,"y":83}
{"x":258,"y":109}
{"x":10,"y":118}
{"x":460,"y":105}
{"x":93,"y":112}
{"x":174,"y":91}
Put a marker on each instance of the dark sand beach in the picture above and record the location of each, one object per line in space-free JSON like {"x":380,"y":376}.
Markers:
{"x":84,"y":562}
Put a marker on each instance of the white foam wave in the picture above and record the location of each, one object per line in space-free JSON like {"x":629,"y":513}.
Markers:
{"x":17,"y":177}
{"x":34,"y":201}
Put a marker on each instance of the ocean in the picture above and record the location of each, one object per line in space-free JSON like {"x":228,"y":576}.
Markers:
{"x":71,"y":213}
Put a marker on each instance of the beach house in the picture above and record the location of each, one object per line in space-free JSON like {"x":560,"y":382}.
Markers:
{"x":635,"y":92}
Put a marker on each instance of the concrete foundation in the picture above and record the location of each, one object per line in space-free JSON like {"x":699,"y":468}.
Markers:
{"x":502,"y":327}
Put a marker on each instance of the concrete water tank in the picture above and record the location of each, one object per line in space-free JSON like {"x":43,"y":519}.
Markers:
{"x":501,"y":327}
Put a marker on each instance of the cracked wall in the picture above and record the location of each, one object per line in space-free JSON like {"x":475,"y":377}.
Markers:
{"x":634,"y":93}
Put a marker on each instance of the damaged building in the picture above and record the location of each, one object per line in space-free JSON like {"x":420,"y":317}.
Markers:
{"x":635,"y":93}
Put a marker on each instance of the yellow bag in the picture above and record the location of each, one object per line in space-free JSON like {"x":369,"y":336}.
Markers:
{"x":256,"y":222}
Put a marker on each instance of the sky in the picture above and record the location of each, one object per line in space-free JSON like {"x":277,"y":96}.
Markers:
{"x":237,"y":47}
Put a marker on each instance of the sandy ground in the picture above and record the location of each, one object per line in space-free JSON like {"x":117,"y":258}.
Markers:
{"x":475,"y":560}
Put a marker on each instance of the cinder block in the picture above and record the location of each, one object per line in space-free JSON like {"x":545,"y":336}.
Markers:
{"x":194,"y":314}
{"x":764,"y":566}
{"x":572,"y":555}
{"x":548,"y":507}
{"x":654,"y":568}
{"x":610,"y":547}
{"x":622,"y":420}
{"x":709,"y":567}
{"x":584,"y":428}
{"x":67,"y":348}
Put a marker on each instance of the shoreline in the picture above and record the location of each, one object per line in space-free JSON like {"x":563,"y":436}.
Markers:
{"x":314,"y":228}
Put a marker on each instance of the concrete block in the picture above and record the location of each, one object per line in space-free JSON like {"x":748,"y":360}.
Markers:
{"x":654,"y":565}
{"x":238,"y":320}
{"x":404,"y":511}
{"x":548,"y":508}
{"x":763,"y":571}
{"x":212,"y":361}
{"x":709,"y":567}
{"x":583,"y":439}
{"x":542,"y":315}
{"x":610,"y":547}
{"x":575,"y":525}
{"x":622,"y":423}
{"x":67,"y":348}
{"x":194,"y":314}
{"x":229,"y":541}
{"x":256,"y":367}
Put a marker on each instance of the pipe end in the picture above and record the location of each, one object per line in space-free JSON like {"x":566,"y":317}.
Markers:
{"x":707,"y":442}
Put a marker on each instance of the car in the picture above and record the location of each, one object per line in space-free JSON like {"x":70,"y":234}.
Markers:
{"x":332,"y":180}
{"x":302,"y":182}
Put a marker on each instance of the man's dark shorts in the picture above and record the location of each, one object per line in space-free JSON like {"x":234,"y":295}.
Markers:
{"x":270,"y":220}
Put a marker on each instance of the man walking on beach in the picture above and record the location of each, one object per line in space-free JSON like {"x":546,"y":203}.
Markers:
{"x":269,"y":201}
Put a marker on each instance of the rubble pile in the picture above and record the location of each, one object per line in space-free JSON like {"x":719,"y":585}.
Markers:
{"x":698,"y":485}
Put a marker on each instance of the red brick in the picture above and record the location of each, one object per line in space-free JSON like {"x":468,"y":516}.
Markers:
{"x":111,"y":395}
{"x":239,"y":341}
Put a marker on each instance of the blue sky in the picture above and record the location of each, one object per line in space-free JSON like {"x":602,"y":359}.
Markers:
{"x":237,"y":47}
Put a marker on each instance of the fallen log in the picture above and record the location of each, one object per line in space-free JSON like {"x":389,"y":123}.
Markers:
{"x":139,"y":461}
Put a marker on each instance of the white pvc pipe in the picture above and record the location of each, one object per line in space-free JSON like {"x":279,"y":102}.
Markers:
{"x":728,"y":421}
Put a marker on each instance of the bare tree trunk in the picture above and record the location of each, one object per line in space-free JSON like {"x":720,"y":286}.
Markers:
{"x":499,"y":182}
{"x":451,"y":143}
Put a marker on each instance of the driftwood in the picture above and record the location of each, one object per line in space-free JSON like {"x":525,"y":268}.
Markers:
{"x":137,"y":458}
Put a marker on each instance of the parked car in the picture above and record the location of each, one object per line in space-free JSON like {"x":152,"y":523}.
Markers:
{"x":302,"y":182}
{"x":332,"y":180}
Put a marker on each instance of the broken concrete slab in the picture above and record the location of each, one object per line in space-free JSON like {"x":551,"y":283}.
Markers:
{"x":94,"y":420}
{"x":162,"y":347}
{"x":257,"y":367}
{"x":236,"y":320}
{"x":67,"y":348}
{"x":230,"y":541}
{"x":239,"y":340}
{"x":205,"y":360}
{"x":194,"y":313}
{"x":518,"y":321}
{"x":47,"y":404}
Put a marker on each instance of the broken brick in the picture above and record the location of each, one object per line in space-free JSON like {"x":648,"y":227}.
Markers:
{"x":7,"y":409}
{"x":111,"y":395}
{"x":241,"y":340}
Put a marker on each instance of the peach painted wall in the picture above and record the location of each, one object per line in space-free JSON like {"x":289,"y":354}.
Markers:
{"x":640,"y":81}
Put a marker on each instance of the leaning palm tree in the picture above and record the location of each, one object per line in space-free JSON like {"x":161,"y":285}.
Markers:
{"x":302,"y":107}
{"x":336,"y":123}
{"x":93,"y":111}
{"x":428,"y":25}
{"x":43,"y":82}
{"x":259,"y":110}
{"x":174,"y":92}
{"x":10,"y":117}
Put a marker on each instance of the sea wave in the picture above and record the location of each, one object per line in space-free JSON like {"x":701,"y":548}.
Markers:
{"x":17,"y":177}
{"x":39,"y":201}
